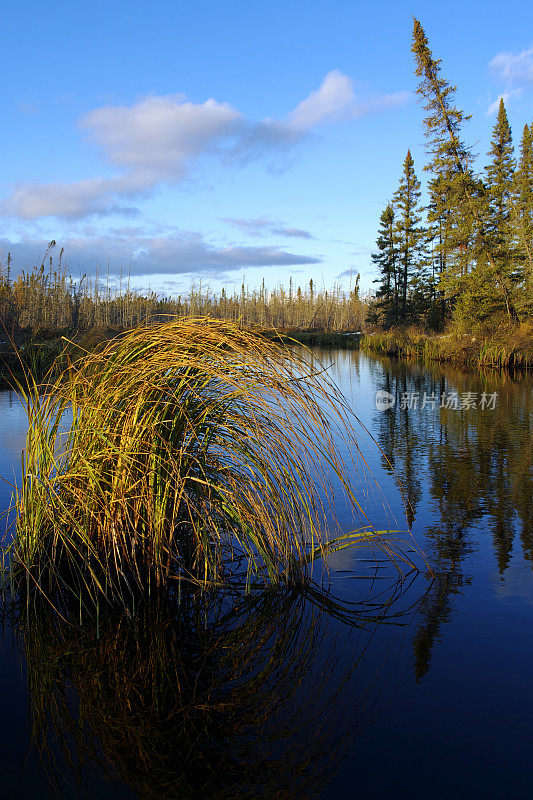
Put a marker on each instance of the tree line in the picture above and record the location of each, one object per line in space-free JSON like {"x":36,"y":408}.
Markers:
{"x":467,"y":256}
{"x":47,"y":301}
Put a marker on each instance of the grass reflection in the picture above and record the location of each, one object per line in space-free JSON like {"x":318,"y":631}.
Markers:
{"x":214,"y":695}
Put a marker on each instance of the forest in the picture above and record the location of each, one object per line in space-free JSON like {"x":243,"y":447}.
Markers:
{"x":465,"y":259}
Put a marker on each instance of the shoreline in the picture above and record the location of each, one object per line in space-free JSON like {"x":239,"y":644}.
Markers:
{"x":504,"y":349}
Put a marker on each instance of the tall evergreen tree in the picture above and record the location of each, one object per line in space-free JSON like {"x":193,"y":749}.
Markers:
{"x":409,"y":232}
{"x":484,"y":296}
{"x":453,"y":161}
{"x":500,"y":182}
{"x":439,"y":238}
{"x":522,"y":207}
{"x":386,"y":258}
{"x":453,"y":186}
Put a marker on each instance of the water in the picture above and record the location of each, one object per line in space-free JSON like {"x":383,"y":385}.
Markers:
{"x":408,"y":689}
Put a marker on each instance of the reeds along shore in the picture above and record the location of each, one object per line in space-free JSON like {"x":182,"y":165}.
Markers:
{"x":191,"y":451}
{"x":503,"y":347}
{"x":47,"y":301}
{"x":41,"y":306}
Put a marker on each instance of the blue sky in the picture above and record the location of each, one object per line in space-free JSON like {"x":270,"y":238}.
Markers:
{"x":207,"y":140}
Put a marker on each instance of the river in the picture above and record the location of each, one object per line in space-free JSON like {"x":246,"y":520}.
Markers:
{"x":419,"y":687}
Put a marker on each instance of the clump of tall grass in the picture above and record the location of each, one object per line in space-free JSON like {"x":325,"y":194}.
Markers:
{"x":193,"y":451}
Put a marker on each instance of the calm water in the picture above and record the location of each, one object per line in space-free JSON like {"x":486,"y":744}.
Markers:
{"x":415,"y":688}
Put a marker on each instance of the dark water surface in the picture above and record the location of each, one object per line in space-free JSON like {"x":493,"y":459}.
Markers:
{"x":412,"y":688}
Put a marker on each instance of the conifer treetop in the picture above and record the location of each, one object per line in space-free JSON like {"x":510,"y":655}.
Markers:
{"x":443,"y":122}
{"x":454,"y":160}
{"x":500,"y":171}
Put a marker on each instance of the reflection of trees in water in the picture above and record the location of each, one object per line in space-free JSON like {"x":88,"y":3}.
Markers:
{"x":400,"y":441}
{"x":218,"y":698}
{"x":477,"y":461}
{"x":478,"y":468}
{"x":435,"y":610}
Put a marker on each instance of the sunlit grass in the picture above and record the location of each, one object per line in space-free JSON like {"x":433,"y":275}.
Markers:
{"x":500,"y":346}
{"x":195,"y":451}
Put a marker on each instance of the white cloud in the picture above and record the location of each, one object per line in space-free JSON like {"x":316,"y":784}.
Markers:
{"x":514,"y":68}
{"x":158,"y":139}
{"x":507,"y":97}
{"x":159,"y":136}
{"x":153,"y":141}
{"x":72,"y":200}
{"x":178,"y":253}
{"x":334,"y":98}
{"x":260,"y":227}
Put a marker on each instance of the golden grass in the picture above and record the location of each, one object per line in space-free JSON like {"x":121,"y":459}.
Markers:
{"x":500,"y":346}
{"x":197,"y":451}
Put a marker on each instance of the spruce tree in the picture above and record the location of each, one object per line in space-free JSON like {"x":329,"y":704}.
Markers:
{"x":451,"y":160}
{"x":486,"y":297}
{"x":439,"y":241}
{"x":500,"y":182}
{"x":409,"y":233}
{"x":386,"y":258}
{"x":522,"y":208}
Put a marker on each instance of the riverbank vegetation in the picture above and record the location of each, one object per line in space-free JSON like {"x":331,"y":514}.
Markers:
{"x":509,"y":346}
{"x":463,"y":262}
{"x":46,"y":301}
{"x":41,"y":308}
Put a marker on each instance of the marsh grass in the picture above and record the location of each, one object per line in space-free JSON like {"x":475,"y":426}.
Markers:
{"x":192,"y":451}
{"x":501,"y":346}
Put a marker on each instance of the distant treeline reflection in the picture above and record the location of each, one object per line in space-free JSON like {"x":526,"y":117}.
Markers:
{"x":476,"y":464}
